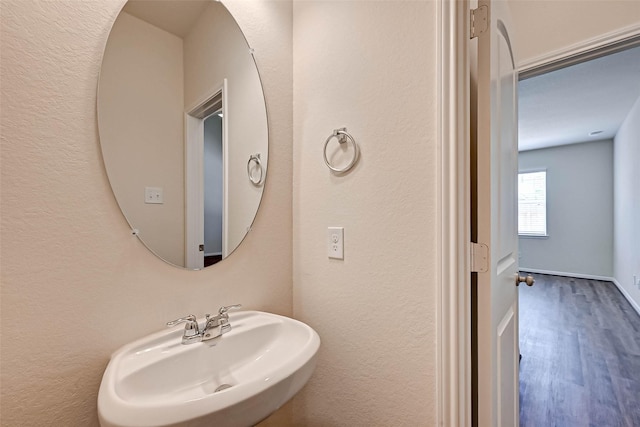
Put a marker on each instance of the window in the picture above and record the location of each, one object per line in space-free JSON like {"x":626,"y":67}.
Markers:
{"x":532,"y":203}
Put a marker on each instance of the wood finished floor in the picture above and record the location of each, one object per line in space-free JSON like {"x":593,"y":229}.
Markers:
{"x":580,"y":346}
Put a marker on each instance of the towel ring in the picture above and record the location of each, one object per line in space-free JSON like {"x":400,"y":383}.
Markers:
{"x":343,"y":137}
{"x":255,"y":158}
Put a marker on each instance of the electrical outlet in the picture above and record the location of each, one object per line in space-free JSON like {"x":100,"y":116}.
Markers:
{"x":335,"y":241}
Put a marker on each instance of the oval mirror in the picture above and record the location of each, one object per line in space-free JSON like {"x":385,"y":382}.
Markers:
{"x":183,"y":128}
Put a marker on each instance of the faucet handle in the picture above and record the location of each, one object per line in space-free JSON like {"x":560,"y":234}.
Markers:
{"x":191,"y":327}
{"x":189,"y":318}
{"x":223,"y":310}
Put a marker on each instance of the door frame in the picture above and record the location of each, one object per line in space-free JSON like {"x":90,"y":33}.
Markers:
{"x":454,"y":372}
{"x":581,"y":51}
{"x":453,"y":201}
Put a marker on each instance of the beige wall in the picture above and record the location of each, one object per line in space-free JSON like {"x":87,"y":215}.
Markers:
{"x":140,"y":113}
{"x":626,"y":251}
{"x":579,"y":198}
{"x":75,"y":284}
{"x":547,"y":26}
{"x":369,"y":66}
{"x":214,"y":50}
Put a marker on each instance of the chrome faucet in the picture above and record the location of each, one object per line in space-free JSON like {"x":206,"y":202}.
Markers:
{"x":191,"y":329}
{"x":213,"y":327}
{"x":218,"y":325}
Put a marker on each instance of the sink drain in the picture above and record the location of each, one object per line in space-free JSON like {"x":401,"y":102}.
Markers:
{"x":223,"y":387}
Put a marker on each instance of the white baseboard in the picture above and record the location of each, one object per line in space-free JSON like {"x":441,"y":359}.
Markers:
{"x":622,"y":290}
{"x":567,"y":274}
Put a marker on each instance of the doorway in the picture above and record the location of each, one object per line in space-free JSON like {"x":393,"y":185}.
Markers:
{"x":456,"y":371}
{"x":213,"y":164}
{"x":578,"y":329}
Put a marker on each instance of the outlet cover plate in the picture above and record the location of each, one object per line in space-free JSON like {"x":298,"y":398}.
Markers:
{"x":335,"y":242}
{"x":153,"y":195}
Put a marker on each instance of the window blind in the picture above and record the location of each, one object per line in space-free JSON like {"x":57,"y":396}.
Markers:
{"x":532,"y":203}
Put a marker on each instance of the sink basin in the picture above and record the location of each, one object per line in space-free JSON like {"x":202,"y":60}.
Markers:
{"x":235,"y":380}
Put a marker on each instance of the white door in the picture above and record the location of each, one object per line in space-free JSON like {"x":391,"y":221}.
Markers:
{"x":497,"y":168}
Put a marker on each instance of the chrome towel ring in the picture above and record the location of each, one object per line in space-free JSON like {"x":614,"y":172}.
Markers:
{"x":342,"y":137}
{"x":255,"y":158}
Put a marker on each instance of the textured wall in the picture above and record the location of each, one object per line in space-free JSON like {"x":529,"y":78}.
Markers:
{"x":626,"y":253}
{"x":75,"y":284}
{"x":545,"y":26}
{"x":579,"y":209}
{"x":369,"y":66}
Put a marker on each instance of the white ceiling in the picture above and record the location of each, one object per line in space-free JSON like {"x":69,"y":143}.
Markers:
{"x":564,"y":106}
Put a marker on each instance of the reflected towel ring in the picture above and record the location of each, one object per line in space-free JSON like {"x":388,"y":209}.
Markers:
{"x":343,"y":137}
{"x":255,"y":158}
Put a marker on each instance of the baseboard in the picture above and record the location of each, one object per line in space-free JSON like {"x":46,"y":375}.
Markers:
{"x":622,"y":290}
{"x":567,"y":274}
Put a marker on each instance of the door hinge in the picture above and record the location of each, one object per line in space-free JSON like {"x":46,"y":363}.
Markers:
{"x":200,"y":248}
{"x":479,"y":21}
{"x":479,"y":257}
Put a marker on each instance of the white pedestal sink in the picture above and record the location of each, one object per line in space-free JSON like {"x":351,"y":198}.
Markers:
{"x":235,"y":380}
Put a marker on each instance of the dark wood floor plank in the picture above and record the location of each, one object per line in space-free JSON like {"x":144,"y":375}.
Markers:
{"x":580,"y":345}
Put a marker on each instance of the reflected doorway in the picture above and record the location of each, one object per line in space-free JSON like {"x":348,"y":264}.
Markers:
{"x":206,"y":181}
{"x":213,"y":188}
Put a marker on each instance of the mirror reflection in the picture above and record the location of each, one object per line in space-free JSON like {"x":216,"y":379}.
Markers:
{"x":183,"y":128}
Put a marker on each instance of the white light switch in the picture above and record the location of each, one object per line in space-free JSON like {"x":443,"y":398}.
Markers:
{"x":335,"y":239}
{"x":153,"y":195}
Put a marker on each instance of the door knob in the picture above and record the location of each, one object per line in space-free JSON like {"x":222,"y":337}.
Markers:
{"x":521,"y":279}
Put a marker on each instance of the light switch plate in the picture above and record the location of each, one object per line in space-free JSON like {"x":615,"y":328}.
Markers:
{"x":335,"y":241}
{"x":153,"y":195}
